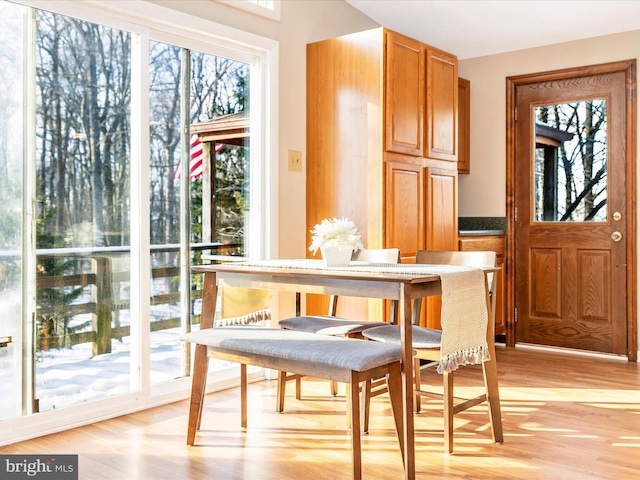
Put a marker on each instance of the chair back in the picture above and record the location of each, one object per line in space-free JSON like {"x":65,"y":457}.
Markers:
{"x":377,"y":255}
{"x":465,"y":259}
{"x":373,"y":255}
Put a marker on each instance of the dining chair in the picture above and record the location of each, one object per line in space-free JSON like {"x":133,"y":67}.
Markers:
{"x":337,"y":326}
{"x":427,"y":345}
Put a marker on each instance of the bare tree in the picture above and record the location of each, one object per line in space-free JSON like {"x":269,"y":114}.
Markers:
{"x":582,"y":162}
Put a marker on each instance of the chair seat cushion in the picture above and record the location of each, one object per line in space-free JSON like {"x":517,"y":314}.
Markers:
{"x":325,"y":325}
{"x":422,"y":337}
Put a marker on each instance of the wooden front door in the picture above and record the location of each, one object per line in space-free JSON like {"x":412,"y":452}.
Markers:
{"x":573,"y":217}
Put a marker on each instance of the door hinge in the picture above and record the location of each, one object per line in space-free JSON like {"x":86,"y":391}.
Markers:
{"x":515,"y":214}
{"x":515,"y":114}
{"x":515,"y":315}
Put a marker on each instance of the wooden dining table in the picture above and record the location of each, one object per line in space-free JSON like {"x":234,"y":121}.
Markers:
{"x":401,"y":282}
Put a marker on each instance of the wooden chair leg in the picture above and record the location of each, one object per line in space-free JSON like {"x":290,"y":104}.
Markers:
{"x":283,"y":378}
{"x":417,"y":384}
{"x":334,"y":388}
{"x":353,"y":392}
{"x":394,"y":387}
{"x":366,"y":405}
{"x":243,"y":395}
{"x":447,"y":379}
{"x":490,"y":372}
{"x":201,"y":402}
{"x":280,"y":390}
{"x":198,"y":383}
{"x":349,"y":405}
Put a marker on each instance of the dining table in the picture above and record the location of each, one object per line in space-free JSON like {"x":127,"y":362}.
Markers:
{"x":403,"y":283}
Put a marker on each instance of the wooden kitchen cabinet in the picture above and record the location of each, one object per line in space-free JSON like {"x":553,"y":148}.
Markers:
{"x":464,"y":125}
{"x":405,"y":93}
{"x":367,"y":136}
{"x":494,"y":243}
{"x":441,"y":208}
{"x":405,"y":209}
{"x":421,"y":101}
{"x":442,"y":105}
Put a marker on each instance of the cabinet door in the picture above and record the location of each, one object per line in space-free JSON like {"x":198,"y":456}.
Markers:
{"x":442,"y":209}
{"x":442,"y":105}
{"x":404,"y":209}
{"x":464,"y":125}
{"x":404,"y":95}
{"x":496,"y":244}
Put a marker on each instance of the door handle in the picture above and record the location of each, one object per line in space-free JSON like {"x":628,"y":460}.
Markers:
{"x":616,"y":236}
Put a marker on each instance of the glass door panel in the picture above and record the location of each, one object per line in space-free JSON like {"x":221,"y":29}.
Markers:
{"x":216,"y":181}
{"x":570,"y":162}
{"x":82,"y":318}
{"x":11,"y":191}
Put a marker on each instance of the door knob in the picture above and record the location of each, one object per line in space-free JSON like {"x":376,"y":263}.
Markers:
{"x":616,"y":236}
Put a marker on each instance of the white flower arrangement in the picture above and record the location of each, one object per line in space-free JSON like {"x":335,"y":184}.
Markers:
{"x":336,"y":232}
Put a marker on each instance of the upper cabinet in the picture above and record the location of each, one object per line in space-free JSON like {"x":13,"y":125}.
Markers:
{"x":421,"y":99}
{"x":442,"y":105}
{"x":464,"y":125}
{"x":404,"y":95}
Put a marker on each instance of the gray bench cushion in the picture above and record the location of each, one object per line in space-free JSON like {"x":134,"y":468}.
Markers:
{"x":307,"y":348}
{"x":422,"y":337}
{"x":325,"y":325}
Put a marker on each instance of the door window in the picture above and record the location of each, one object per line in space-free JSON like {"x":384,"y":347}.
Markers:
{"x":570,"y":162}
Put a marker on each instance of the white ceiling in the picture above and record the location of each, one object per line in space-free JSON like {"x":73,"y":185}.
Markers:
{"x":474,"y":28}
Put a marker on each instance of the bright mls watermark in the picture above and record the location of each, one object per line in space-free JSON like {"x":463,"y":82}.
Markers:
{"x":50,"y":467}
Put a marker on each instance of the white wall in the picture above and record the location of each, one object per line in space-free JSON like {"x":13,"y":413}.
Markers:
{"x":488,"y":109}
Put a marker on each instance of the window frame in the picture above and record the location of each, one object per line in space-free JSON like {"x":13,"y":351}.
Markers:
{"x":255,"y":8}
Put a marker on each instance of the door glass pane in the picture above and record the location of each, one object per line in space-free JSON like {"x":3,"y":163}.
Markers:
{"x":218,"y":185}
{"x":570,"y":162}
{"x":83,"y":93}
{"x":11,"y":265}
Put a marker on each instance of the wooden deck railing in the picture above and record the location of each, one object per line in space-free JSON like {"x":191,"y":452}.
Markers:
{"x":103,"y":303}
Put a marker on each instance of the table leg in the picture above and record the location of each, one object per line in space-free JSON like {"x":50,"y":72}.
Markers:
{"x":407,"y":384}
{"x":201,"y":361}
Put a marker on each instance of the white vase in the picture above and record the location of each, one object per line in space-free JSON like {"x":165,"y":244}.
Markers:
{"x":336,"y":256}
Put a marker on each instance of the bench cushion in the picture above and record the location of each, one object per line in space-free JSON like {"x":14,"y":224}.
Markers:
{"x":325,"y":325}
{"x":292,"y":346}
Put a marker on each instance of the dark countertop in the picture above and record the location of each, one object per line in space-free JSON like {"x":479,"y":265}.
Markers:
{"x":477,"y":226}
{"x":477,"y":233}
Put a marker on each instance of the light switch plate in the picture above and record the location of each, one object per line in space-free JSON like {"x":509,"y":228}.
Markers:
{"x":295,"y":161}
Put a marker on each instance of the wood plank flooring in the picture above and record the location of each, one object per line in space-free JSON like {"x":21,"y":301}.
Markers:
{"x":566,"y":416}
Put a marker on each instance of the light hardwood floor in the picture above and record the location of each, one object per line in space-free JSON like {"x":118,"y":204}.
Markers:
{"x":566,"y":416}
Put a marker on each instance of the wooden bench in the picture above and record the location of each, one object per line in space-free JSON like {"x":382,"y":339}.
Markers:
{"x":333,"y":358}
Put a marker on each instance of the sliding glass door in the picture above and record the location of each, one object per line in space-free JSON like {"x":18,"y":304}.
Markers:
{"x":212,"y":165}
{"x":11,"y":201}
{"x":92,"y":140}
